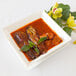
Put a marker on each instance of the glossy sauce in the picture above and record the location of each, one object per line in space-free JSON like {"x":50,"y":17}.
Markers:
{"x":20,"y":37}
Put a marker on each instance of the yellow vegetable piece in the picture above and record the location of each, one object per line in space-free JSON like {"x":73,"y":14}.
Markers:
{"x":74,"y":42}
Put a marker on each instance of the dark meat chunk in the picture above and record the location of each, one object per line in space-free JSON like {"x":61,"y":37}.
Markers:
{"x":42,"y":48}
{"x":20,"y":35}
{"x":32,"y":34}
{"x":21,"y":38}
{"x":31,"y":54}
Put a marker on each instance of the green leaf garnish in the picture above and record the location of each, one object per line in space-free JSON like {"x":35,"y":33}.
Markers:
{"x":25,"y":48}
{"x":42,"y":39}
{"x":68,"y":30}
{"x":74,"y":14}
{"x":31,"y":44}
{"x":37,"y":50}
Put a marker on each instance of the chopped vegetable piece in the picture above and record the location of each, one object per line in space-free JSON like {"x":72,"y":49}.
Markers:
{"x":25,"y":48}
{"x":42,"y":39}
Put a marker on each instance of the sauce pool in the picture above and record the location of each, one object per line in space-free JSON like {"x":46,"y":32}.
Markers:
{"x":21,"y":38}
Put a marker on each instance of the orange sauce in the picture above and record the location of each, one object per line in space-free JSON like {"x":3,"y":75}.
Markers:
{"x":42,"y":28}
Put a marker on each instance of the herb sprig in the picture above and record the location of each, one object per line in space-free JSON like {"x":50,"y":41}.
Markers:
{"x":26,"y":48}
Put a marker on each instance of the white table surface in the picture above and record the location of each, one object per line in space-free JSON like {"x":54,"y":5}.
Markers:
{"x":61,"y":64}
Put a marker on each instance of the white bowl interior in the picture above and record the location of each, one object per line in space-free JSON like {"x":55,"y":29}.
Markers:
{"x":50,"y":22}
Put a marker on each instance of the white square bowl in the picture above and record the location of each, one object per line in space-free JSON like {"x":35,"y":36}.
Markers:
{"x":55,"y":27}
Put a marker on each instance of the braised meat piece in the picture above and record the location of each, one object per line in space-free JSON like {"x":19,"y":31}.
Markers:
{"x":31,"y":54}
{"x":21,"y":38}
{"x":42,"y":48}
{"x":32,"y":34}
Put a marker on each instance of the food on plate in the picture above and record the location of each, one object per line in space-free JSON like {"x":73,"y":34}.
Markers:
{"x":35,"y":39}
